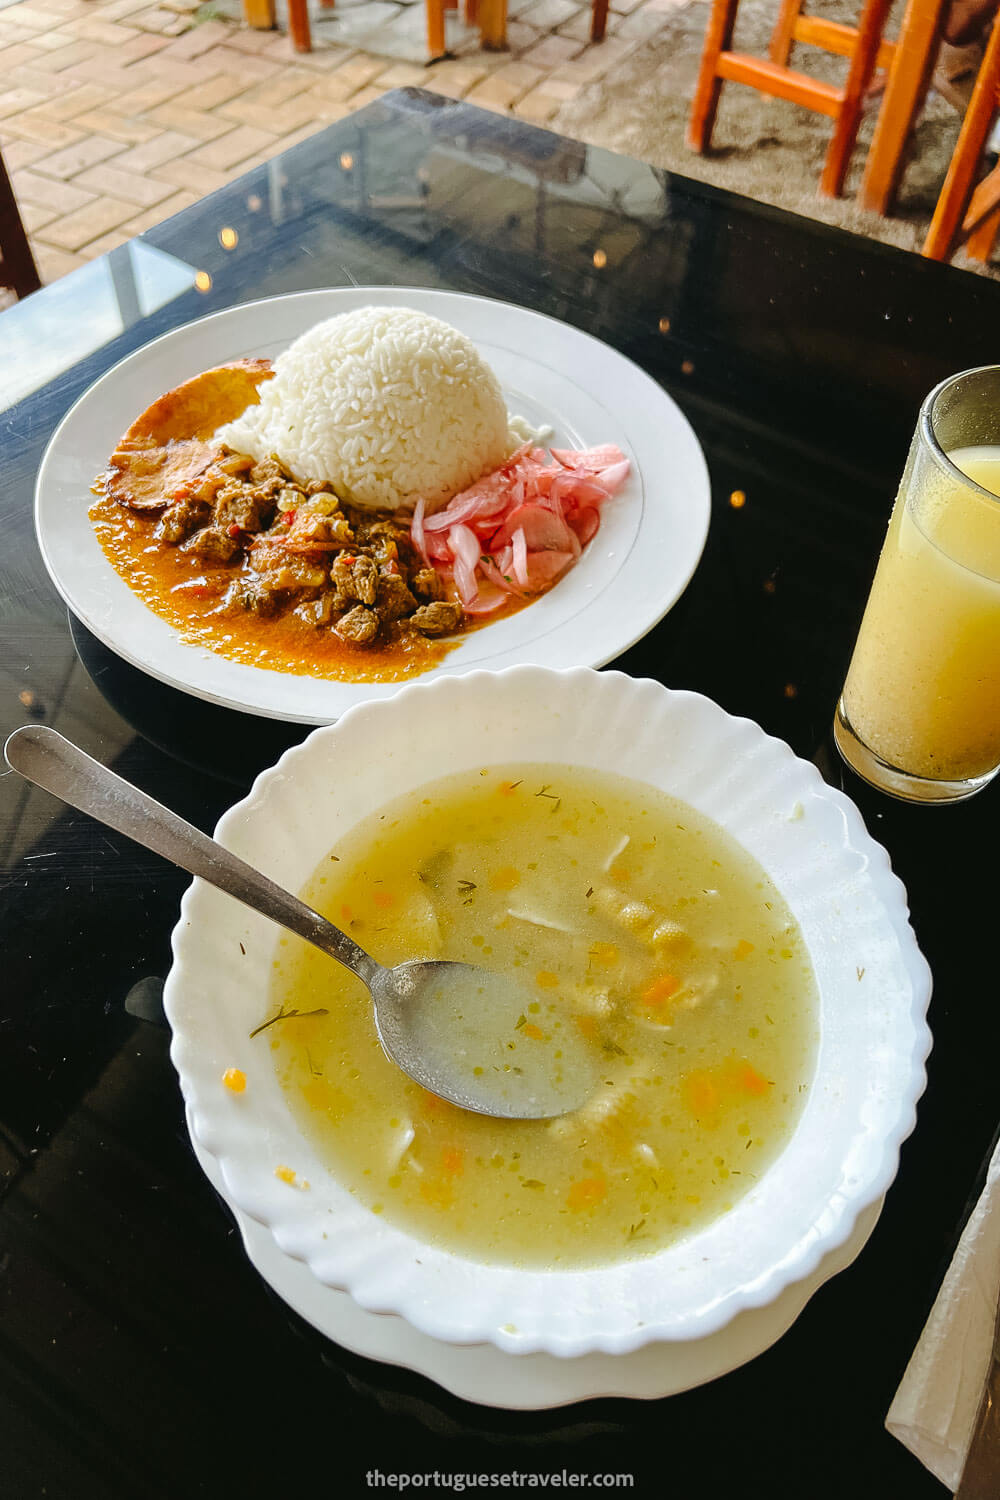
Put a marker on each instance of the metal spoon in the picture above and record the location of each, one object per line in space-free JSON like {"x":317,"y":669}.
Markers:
{"x":453,"y":1027}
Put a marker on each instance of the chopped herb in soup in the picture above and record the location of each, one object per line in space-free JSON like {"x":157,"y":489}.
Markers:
{"x":634,"y":922}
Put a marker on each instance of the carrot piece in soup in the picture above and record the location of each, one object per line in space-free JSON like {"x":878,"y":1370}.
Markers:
{"x":586,"y":1193}
{"x":661,"y":990}
{"x":702,"y":1094}
{"x":752,"y":1081}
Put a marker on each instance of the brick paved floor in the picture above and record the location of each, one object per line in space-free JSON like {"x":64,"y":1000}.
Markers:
{"x":115,"y":114}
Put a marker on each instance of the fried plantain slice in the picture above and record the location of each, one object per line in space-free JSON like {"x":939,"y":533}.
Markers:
{"x":170,"y":445}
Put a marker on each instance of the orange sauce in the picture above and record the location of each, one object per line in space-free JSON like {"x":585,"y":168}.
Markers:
{"x":153,"y":571}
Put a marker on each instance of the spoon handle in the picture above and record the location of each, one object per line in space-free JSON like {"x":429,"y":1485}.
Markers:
{"x":44,"y":757}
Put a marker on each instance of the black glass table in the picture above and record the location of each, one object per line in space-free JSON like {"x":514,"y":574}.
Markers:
{"x":140,"y":1353}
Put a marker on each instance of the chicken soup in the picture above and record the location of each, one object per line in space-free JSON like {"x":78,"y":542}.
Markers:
{"x":633,"y":922}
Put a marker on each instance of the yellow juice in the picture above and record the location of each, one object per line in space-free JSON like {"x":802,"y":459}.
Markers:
{"x":923,"y":689}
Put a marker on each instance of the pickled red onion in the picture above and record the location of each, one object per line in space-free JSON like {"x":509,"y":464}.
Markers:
{"x":518,"y":529}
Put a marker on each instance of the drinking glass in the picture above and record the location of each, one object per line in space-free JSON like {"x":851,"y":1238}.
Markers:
{"x":919,"y":716}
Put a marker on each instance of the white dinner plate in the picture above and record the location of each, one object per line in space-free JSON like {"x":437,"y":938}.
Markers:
{"x":529,"y":1382}
{"x":651,"y":537}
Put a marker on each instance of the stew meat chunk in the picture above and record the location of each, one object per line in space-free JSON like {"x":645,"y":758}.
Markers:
{"x":297,"y":548}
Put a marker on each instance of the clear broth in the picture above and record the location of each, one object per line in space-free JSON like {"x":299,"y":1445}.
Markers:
{"x":632,"y":919}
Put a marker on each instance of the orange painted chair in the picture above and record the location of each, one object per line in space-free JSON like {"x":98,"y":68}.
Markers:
{"x":915,"y":53}
{"x":968,"y":211}
{"x":491,"y":18}
{"x":261,"y":15}
{"x":863,"y":45}
{"x":489,"y":15}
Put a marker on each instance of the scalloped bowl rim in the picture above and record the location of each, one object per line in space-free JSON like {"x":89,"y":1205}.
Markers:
{"x":770,"y":800}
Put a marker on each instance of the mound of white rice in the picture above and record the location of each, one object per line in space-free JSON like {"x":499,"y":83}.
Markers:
{"x":385,"y":405}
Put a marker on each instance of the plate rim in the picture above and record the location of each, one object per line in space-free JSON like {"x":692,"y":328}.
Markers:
{"x":485,"y":1375}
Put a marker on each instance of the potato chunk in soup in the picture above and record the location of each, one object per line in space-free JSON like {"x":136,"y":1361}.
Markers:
{"x":634,"y":922}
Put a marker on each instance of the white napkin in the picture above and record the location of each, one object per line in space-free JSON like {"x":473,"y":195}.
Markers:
{"x":935,"y":1407}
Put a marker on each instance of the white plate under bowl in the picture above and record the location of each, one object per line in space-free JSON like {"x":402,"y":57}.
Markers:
{"x":873,"y":985}
{"x":638,"y":565}
{"x":529,"y":1382}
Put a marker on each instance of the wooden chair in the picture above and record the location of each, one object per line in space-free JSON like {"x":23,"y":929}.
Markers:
{"x":863,"y":45}
{"x":915,"y":53}
{"x":260,"y":15}
{"x":18,"y":271}
{"x":491,"y":17}
{"x":967,"y":211}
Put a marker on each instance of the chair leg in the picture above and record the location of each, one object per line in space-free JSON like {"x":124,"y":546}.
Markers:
{"x":980,"y":243}
{"x":435,"y":28}
{"x":298,"y":25}
{"x":845,"y":134}
{"x":259,"y":14}
{"x":953,"y":201}
{"x":598,"y":20}
{"x":784,"y":32}
{"x":705,"y":105}
{"x":909,"y":79}
{"x":493,"y":24}
{"x":471,"y":12}
{"x":19,"y":270}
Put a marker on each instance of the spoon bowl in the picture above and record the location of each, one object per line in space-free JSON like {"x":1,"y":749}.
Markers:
{"x":452,"y":1027}
{"x":460,"y":1023}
